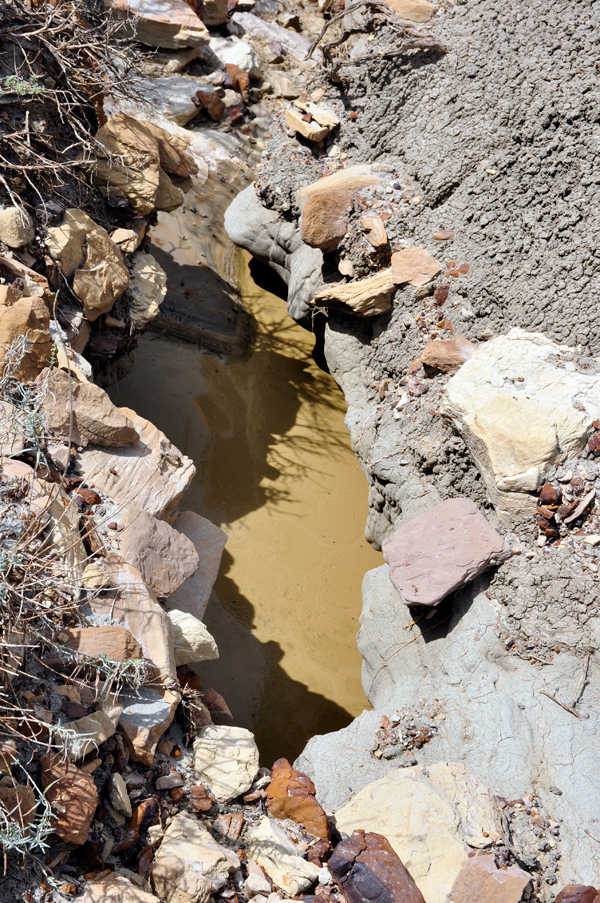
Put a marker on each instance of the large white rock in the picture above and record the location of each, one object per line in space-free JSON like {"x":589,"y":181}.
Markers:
{"x":160,"y":23}
{"x":147,"y":287}
{"x":240,"y":53}
{"x":193,"y":642}
{"x":225,"y":758}
{"x":521,"y":403}
{"x":272,"y":849}
{"x":209,"y":542}
{"x":189,"y":864}
{"x":427,"y":815}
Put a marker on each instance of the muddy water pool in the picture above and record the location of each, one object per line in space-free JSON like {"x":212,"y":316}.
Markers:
{"x":276,"y":472}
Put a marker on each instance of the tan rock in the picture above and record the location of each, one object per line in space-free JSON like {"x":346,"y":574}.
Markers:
{"x":412,"y":10}
{"x":322,"y":116}
{"x":116,"y":643}
{"x":225,"y":758}
{"x":95,"y":419}
{"x":480,"y":879}
{"x":118,"y":796}
{"x":427,"y":815}
{"x":115,"y":889}
{"x":66,"y":242}
{"x":152,"y":474}
{"x":314,"y":132}
{"x":209,"y":542}
{"x":325,"y":203}
{"x":414,"y":265}
{"x":129,"y":240}
{"x":19,"y":803}
{"x":189,"y":864}
{"x":271,"y":848}
{"x":148,"y":287}
{"x":90,"y":732}
{"x":9,"y":294}
{"x":214,"y":12}
{"x":448,"y":355}
{"x":26,"y":317}
{"x":193,"y":642}
{"x":367,"y":297}
{"x":164,"y":557}
{"x":160,"y":23}
{"x":128,"y":600}
{"x":16,"y":227}
{"x":72,"y":795}
{"x":34,"y":284}
{"x":146,"y":715}
{"x":375,"y":230}
{"x":103,"y":277}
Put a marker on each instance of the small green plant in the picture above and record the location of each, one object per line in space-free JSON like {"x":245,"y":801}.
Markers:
{"x":21,"y":87}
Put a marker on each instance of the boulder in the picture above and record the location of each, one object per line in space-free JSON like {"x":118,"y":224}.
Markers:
{"x":146,"y":715}
{"x":291,"y":794}
{"x":160,"y":23}
{"x":147,"y":287}
{"x":447,"y":355}
{"x":236,"y":52}
{"x":367,"y":869}
{"x":189,"y":864}
{"x":427,"y":815}
{"x":415,"y":266}
{"x":26,"y":317}
{"x":480,"y":879}
{"x":83,"y":412}
{"x":116,"y":643}
{"x":225,"y":758}
{"x":126,"y":599}
{"x":164,"y":557}
{"x":271,"y":848}
{"x":367,"y":297}
{"x":16,"y":227}
{"x":442,"y":550}
{"x":72,"y":796}
{"x":412,"y":10}
{"x":152,"y":474}
{"x":115,"y":889}
{"x":521,"y":403}
{"x":19,"y":804}
{"x":209,"y":541}
{"x":324,"y":205}
{"x":193,"y":642}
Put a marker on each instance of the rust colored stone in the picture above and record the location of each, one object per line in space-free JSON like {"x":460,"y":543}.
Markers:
{"x":177,"y":794}
{"x":211,"y":102}
{"x":367,"y":869}
{"x":291,"y":794}
{"x":447,"y":355}
{"x":144,"y":815}
{"x":20,"y":804}
{"x":200,"y":799}
{"x":549,"y":495}
{"x":577,"y":893}
{"x":89,"y":496}
{"x":72,"y":796}
{"x":594,"y":443}
{"x":216,"y":705}
{"x":240,"y":80}
{"x":318,"y":852}
{"x":145,"y":859}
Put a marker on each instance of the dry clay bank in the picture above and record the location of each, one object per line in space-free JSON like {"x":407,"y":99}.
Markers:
{"x":423,"y":177}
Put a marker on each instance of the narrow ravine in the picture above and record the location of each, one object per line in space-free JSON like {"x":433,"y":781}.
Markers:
{"x":277,"y":473}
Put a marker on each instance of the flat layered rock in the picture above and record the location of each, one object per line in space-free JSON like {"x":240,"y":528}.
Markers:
{"x":209,"y":541}
{"x":115,"y":889}
{"x":480,"y":879}
{"x":164,"y":557}
{"x":442,"y":550}
{"x":161,"y":23}
{"x":367,"y":297}
{"x":145,"y":717}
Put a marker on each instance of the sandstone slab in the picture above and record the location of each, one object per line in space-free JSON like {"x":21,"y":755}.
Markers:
{"x":115,"y":889}
{"x":152,"y":474}
{"x":367,"y":297}
{"x":164,"y":557}
{"x":225,"y":758}
{"x":325,"y":204}
{"x":72,"y":795}
{"x":480,"y":879}
{"x":447,"y":355}
{"x":209,"y":541}
{"x":415,"y":266}
{"x":83,"y":412}
{"x":160,"y":23}
{"x":271,"y":848}
{"x":442,"y":550}
{"x":147,"y":287}
{"x":366,"y":868}
{"x":193,"y":642}
{"x":291,"y":794}
{"x":114,"y":642}
{"x":16,"y":227}
{"x":521,"y":403}
{"x":427,"y":815}
{"x":189,"y":864}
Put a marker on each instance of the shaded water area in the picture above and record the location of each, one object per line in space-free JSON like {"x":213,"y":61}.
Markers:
{"x":276,"y":472}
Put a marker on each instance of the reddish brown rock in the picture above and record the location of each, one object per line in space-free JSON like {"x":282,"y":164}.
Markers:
{"x":549,"y":495}
{"x":441,"y":550}
{"x":200,"y":799}
{"x":144,"y":815}
{"x":448,"y":355}
{"x":240,"y":80}
{"x":211,"y":102}
{"x":577,"y":893}
{"x":291,"y":794}
{"x":594,"y":443}
{"x":326,"y":202}
{"x":481,"y":880}
{"x":367,"y":869}
{"x":220,"y":712}
{"x":72,"y":795}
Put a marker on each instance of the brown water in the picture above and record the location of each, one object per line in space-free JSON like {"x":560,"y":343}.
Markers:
{"x":276,"y":472}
